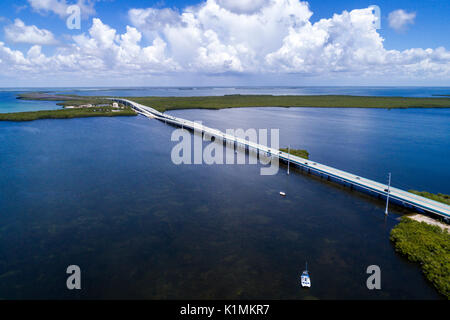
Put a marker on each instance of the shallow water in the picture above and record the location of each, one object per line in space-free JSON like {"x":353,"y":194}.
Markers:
{"x":102,"y":193}
{"x":10,"y":103}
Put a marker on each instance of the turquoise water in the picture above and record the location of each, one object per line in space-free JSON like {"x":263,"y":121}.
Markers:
{"x":103,"y":194}
{"x":10,"y":103}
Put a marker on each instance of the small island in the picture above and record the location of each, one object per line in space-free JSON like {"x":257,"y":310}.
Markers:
{"x":296,"y":152}
{"x":427,"y":241}
{"x":428,"y":245}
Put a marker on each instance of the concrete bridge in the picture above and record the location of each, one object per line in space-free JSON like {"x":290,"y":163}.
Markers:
{"x":396,"y":195}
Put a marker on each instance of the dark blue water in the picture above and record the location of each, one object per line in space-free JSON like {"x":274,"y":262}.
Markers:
{"x":413,"y":144}
{"x":103,"y":194}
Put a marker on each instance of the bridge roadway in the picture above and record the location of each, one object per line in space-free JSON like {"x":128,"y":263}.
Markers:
{"x":399,"y":196}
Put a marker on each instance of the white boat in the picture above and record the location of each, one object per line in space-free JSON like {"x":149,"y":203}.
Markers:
{"x":305,"y":279}
{"x":282,"y":194}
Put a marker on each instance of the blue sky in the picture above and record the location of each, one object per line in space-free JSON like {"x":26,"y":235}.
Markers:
{"x":225,"y":42}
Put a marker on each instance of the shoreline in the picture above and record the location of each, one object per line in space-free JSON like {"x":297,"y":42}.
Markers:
{"x":423,"y":218}
{"x":427,"y":245}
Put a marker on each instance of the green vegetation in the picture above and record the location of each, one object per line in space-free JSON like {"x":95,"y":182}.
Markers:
{"x":444,"y":198}
{"x":297,"y":152}
{"x":430,"y":246}
{"x":101,"y":107}
{"x":240,"y":101}
{"x":236,"y":101}
{"x":67,"y":114}
{"x":64,"y":100}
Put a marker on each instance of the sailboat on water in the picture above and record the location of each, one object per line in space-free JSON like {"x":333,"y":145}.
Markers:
{"x":305,"y":279}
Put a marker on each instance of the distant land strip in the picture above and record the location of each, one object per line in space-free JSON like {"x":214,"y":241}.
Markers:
{"x":243,"y":101}
{"x":323,"y":101}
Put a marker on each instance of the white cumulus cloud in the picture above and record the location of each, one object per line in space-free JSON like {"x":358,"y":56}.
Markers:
{"x":346,"y":42}
{"x":211,"y":38}
{"x":399,"y":19}
{"x":276,"y":38}
{"x":104,"y":49}
{"x":18,"y":32}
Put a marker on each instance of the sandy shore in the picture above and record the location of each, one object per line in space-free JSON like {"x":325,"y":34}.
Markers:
{"x":422,"y":218}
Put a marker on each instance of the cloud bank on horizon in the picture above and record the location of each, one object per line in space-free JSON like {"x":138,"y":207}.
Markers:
{"x":221,"y":37}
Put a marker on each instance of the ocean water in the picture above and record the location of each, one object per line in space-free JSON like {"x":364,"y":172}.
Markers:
{"x":102,"y":193}
{"x":412,"y":144}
